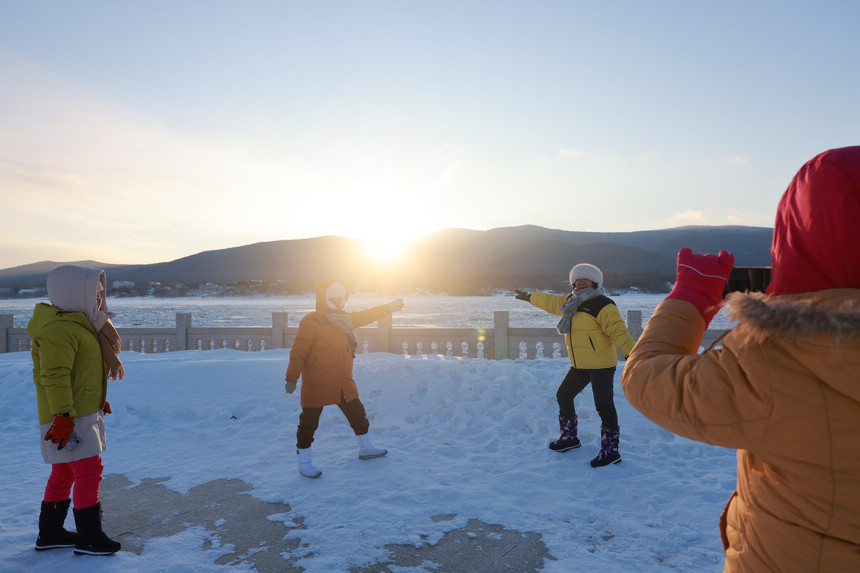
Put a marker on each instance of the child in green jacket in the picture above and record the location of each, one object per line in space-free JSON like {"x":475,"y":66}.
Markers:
{"x":74,"y":352}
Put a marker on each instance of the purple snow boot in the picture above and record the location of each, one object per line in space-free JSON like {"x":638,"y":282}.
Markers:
{"x":568,"y":439}
{"x":608,"y":448}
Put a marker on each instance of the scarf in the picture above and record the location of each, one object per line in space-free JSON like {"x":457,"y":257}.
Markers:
{"x":110,"y":343}
{"x":571,"y":305}
{"x":343,"y":322}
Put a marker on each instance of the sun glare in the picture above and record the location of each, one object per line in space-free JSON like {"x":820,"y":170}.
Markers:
{"x":388,"y":245}
{"x":385,"y":250}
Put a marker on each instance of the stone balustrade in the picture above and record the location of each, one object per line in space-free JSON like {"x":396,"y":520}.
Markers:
{"x":502,"y":341}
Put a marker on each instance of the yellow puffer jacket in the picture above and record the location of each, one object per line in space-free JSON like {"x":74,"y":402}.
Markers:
{"x":784,"y":390}
{"x":595,"y":330}
{"x":68,"y":368}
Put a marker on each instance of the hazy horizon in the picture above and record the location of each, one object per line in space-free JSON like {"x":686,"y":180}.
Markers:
{"x":117,"y":263}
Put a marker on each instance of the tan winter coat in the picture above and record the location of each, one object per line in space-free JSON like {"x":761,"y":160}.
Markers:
{"x":785,"y":392}
{"x":321,"y":354}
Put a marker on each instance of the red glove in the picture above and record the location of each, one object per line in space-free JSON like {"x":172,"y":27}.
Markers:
{"x":60,"y":430}
{"x":106,"y":408}
{"x":702,"y":280}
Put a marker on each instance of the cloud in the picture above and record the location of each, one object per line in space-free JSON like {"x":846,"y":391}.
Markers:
{"x":571,"y":153}
{"x":710,"y":216}
{"x":736,"y":159}
{"x":686,"y":217}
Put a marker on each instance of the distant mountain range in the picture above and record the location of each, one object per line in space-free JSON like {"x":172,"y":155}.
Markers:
{"x":456,"y":261}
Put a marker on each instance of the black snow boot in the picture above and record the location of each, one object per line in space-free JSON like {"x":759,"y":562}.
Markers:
{"x":568,"y":439}
{"x":608,"y":448}
{"x":91,"y":539}
{"x":52,"y":534}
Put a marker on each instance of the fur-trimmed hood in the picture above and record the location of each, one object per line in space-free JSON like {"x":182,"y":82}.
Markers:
{"x":817,"y":333}
{"x":835,"y":312}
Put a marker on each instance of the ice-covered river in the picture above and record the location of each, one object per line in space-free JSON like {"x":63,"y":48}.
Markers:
{"x":419,"y":311}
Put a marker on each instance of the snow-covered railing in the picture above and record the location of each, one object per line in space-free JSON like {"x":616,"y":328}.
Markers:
{"x":497,"y":343}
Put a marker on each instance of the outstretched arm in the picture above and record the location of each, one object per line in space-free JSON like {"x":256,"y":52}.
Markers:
{"x":551,"y":303}
{"x":364,"y":317}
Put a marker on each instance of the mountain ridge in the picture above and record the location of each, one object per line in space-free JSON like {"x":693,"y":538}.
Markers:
{"x":450,"y":260}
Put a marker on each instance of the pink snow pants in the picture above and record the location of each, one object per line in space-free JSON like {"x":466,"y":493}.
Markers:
{"x":86,"y":475}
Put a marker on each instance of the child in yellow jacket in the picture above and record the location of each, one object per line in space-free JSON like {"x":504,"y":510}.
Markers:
{"x":592,"y":329}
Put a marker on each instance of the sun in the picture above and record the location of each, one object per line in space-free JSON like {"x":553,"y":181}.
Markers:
{"x":389,"y":244}
{"x":387,"y":249}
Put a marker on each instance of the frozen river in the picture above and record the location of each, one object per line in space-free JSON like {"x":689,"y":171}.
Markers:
{"x":419,"y":311}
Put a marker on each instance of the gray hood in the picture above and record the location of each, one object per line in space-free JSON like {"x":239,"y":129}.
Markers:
{"x":74,"y":289}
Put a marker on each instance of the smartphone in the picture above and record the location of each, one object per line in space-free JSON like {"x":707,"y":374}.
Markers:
{"x":72,"y":442}
{"x":748,"y":279}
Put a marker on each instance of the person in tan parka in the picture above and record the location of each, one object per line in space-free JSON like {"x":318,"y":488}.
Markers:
{"x":784,"y":389}
{"x":323,"y":354}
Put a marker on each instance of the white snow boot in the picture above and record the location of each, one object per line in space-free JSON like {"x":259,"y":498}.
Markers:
{"x":366,"y":449}
{"x":306,"y":466}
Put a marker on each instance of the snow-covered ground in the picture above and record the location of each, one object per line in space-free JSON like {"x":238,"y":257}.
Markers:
{"x":466,"y":437}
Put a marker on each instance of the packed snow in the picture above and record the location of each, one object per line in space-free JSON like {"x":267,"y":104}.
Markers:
{"x":466,"y":437}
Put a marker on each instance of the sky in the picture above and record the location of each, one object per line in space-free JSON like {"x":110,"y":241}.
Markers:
{"x":142,"y":132}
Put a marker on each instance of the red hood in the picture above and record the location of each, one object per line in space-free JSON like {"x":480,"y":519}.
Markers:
{"x":816,"y":237}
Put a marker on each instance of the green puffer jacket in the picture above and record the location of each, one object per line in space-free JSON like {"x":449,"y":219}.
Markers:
{"x":595,"y":330}
{"x":68,"y":368}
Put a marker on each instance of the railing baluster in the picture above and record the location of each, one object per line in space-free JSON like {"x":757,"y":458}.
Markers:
{"x":506,"y":341}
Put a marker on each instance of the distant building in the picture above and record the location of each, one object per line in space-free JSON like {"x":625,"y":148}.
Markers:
{"x":34,"y":291}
